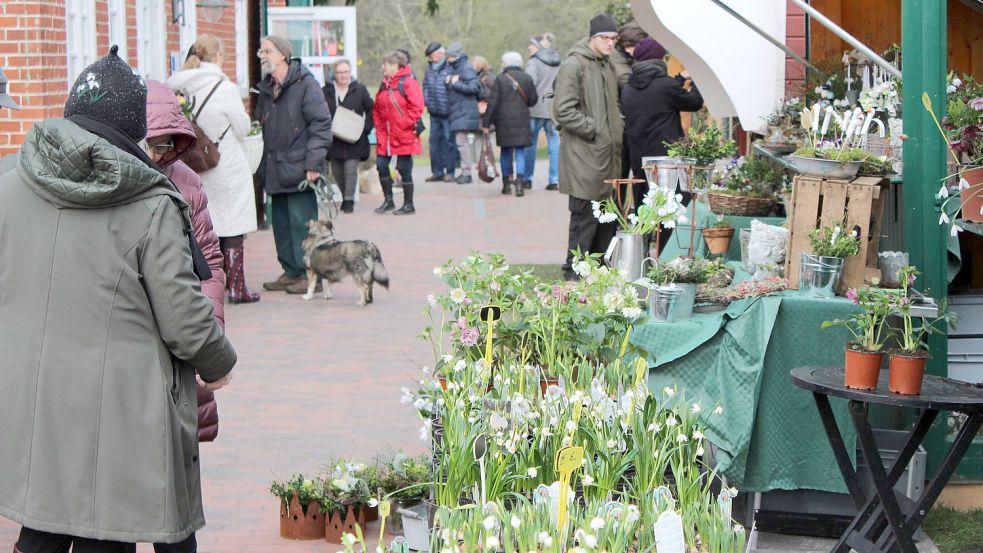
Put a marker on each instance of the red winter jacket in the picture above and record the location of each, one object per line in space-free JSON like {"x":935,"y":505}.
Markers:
{"x":164,"y":116}
{"x":395,"y":115}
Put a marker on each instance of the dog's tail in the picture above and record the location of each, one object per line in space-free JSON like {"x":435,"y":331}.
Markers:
{"x":379,"y":272}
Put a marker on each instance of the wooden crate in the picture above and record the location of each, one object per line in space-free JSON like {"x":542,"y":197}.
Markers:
{"x":818,"y":202}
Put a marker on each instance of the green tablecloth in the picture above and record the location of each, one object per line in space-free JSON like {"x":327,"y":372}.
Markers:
{"x":678,"y":243}
{"x":769,"y":435}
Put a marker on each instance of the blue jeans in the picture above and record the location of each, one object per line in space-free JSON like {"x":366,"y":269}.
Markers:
{"x":506,"y":159}
{"x":443,"y":150}
{"x":552,"y":142}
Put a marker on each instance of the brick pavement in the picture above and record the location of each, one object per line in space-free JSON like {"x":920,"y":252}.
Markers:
{"x":321,"y":379}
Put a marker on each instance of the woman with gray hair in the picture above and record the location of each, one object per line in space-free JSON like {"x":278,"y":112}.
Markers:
{"x":345,"y":92}
{"x":511,"y":96}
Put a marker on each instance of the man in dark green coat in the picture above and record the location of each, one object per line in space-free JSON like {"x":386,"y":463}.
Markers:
{"x":585,"y":108}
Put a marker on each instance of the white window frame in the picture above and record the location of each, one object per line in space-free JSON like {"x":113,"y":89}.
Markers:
{"x":188,"y":31}
{"x":117,"y":26}
{"x":151,"y":39}
{"x":80,"y":36}
{"x":242,"y":48}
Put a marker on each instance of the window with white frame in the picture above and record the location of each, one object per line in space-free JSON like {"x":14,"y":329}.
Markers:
{"x":80,"y":35}
{"x":117,"y":26}
{"x":242,"y":48}
{"x":151,"y":39}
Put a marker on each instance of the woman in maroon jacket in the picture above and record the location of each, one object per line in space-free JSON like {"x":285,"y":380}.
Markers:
{"x":396,"y":112}
{"x":169,"y":134}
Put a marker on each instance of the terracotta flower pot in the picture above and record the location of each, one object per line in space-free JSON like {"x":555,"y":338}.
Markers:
{"x":343,"y":522}
{"x":907,"y":373}
{"x":295,"y":524}
{"x":443,"y":382}
{"x":718,"y":239}
{"x":972,"y":196}
{"x":862,"y":369}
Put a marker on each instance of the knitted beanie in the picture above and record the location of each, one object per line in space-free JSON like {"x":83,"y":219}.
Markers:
{"x":281,"y":44}
{"x":603,"y":23}
{"x":111,"y":92}
{"x":649,"y":49}
{"x":543,"y":41}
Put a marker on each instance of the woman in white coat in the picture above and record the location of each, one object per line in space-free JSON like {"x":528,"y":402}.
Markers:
{"x":229,"y":185}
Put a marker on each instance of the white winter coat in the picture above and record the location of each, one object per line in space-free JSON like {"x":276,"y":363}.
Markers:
{"x":229,"y":185}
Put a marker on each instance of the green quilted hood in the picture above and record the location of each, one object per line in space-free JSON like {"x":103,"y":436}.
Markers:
{"x":71,"y":167}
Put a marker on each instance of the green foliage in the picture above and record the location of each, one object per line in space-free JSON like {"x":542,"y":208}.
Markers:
{"x":684,"y":271}
{"x":704,"y":143}
{"x":868,"y":326}
{"x":835,"y":241}
{"x":911,"y":335}
{"x":954,"y":531}
{"x":620,"y":10}
{"x":307,"y":490}
{"x":756,"y":177}
{"x":404,"y":477}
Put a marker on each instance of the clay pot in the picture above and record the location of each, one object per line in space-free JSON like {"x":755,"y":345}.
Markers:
{"x":546,"y":382}
{"x":907,"y":373}
{"x":295,"y":524}
{"x":443,"y":382}
{"x":972,"y":197}
{"x":371,"y":513}
{"x":718,"y":239}
{"x":344,"y":521}
{"x":862,"y":369}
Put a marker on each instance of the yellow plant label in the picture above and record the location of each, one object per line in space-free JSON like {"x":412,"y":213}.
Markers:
{"x":569,"y":459}
{"x":384,"y":508}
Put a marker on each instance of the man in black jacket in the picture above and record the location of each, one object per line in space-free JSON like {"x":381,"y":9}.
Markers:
{"x":296,"y":137}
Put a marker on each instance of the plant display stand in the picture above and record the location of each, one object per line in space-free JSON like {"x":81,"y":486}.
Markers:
{"x":818,"y":202}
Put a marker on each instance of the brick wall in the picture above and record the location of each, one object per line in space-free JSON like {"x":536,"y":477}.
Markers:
{"x":795,"y":39}
{"x":34,"y":59}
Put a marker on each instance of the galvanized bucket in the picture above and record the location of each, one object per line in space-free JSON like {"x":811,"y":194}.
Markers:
{"x":667,"y":172}
{"x":664,"y":303}
{"x":684,"y":307}
{"x":819,"y":275}
{"x":890,"y":264}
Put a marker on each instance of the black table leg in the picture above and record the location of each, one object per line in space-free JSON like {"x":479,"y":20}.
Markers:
{"x":839,"y":449}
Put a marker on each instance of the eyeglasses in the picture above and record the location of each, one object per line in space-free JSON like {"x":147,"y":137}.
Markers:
{"x":161,"y":148}
{"x":609,"y":38}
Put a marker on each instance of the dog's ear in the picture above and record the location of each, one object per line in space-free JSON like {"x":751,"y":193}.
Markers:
{"x":329,"y":225}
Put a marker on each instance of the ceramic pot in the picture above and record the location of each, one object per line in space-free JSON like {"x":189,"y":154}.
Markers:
{"x":295,"y":524}
{"x":862,"y":369}
{"x":907,"y":373}
{"x":718,"y":239}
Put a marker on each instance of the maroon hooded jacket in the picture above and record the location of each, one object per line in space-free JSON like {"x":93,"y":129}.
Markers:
{"x":164,"y":116}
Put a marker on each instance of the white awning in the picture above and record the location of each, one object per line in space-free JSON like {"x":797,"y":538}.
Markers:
{"x":739,"y":73}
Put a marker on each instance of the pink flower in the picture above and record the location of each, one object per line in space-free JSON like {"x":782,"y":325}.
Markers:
{"x":976,"y":103}
{"x":582,"y":298}
{"x":905,"y":301}
{"x":851,"y":295}
{"x":462,"y":323}
{"x":911,"y":279}
{"x":469,"y":336}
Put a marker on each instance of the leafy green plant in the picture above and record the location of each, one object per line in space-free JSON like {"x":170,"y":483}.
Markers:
{"x":835,"y":241}
{"x":704,"y":143}
{"x":868,"y":327}
{"x":683,"y":270}
{"x":912,"y":336}
{"x":756,"y":177}
{"x":308,"y":491}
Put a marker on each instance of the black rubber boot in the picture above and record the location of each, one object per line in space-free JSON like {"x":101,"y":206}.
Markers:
{"x":387,"y":192}
{"x":407,"y":208}
{"x":506,"y":185}
{"x":520,"y":187}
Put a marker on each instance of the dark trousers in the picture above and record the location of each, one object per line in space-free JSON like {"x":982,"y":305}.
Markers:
{"x":404,"y":164}
{"x":586,"y":232}
{"x":290,"y":215}
{"x":345,"y":173}
{"x":443,"y":150}
{"x":35,"y":541}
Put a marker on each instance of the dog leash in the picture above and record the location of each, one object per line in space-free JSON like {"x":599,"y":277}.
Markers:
{"x":322,"y":190}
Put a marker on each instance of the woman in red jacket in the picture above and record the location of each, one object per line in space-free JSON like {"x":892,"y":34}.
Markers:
{"x":168,"y":136}
{"x":396,"y":114}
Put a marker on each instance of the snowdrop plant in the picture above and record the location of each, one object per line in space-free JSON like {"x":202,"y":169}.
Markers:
{"x":659,"y":207}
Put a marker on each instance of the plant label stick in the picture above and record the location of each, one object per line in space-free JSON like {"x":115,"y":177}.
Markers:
{"x":384,"y":509}
{"x":568,"y":459}
{"x":478,"y":449}
{"x":490,"y":314}
{"x":669,"y":533}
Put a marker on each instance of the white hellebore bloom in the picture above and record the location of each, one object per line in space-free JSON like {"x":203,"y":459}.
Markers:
{"x":458,"y":295}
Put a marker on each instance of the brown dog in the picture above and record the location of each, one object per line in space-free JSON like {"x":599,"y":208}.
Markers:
{"x":331,"y":260}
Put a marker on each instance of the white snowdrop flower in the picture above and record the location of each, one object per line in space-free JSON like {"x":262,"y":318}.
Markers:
{"x":460,"y":365}
{"x":596,"y":523}
{"x":732,"y":491}
{"x":695,"y":408}
{"x":943,"y":219}
{"x":944,"y":191}
{"x":719,"y":410}
{"x":633,"y":514}
{"x":671,"y":421}
{"x":489,"y":523}
{"x":566,"y":441}
{"x":963,"y":183}
{"x":571,"y":426}
{"x":545,"y":539}
{"x":668,"y":391}
{"x":699,"y":451}
{"x":491,"y":542}
{"x":588,"y":480}
{"x":590,"y":541}
{"x":654,"y":427}
{"x":682,"y":438}
{"x":955,"y":230}
{"x":516,"y":522}
{"x":697,"y":435}
{"x":458,"y":295}
{"x":532,"y":472}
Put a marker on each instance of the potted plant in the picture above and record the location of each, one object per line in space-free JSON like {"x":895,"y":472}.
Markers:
{"x":820,"y":271}
{"x":403,"y":480}
{"x":685,"y":274}
{"x":301,"y":517}
{"x":907,"y":362}
{"x":863,"y":354}
{"x":702,"y":146}
{"x":718,"y":236}
{"x":784,"y":129}
{"x":748,"y":188}
{"x":343,"y":495}
{"x":963,"y":129}
{"x":833,"y":149}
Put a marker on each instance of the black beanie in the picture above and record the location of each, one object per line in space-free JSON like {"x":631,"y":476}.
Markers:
{"x":111,"y":92}
{"x":602,"y":23}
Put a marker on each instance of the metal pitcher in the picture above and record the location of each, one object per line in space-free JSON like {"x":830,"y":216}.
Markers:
{"x":625,"y":253}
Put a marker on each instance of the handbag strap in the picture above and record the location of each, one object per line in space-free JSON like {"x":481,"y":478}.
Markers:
{"x":518,"y":88}
{"x":207,"y":98}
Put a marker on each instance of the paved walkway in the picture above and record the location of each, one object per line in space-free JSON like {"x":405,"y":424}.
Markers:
{"x":321,"y":379}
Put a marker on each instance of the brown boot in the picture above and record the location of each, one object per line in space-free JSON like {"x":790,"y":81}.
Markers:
{"x":301,"y":287}
{"x":281,"y":283}
{"x":235,"y":277}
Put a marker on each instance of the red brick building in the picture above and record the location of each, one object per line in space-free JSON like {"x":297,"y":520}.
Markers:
{"x":44,"y":44}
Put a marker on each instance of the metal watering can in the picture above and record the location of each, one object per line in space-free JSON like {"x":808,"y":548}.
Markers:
{"x":626,"y":252}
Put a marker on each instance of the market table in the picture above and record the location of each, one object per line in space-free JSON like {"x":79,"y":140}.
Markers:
{"x":887,"y":509}
{"x":740,"y":358}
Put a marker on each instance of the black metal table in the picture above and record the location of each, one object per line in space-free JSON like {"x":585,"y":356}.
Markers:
{"x":886,"y":509}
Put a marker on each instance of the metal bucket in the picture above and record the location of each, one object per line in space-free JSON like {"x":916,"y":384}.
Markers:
{"x":667,"y":172}
{"x":745,"y":237}
{"x":626,"y":253}
{"x":890,"y":264}
{"x":819,"y":275}
{"x":684,"y":307}
{"x":664,"y":303}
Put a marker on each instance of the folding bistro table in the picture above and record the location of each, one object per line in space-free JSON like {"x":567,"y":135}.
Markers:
{"x":887,"y":520}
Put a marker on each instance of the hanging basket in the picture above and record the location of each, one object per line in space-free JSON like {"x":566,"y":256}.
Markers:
{"x":746,"y":206}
